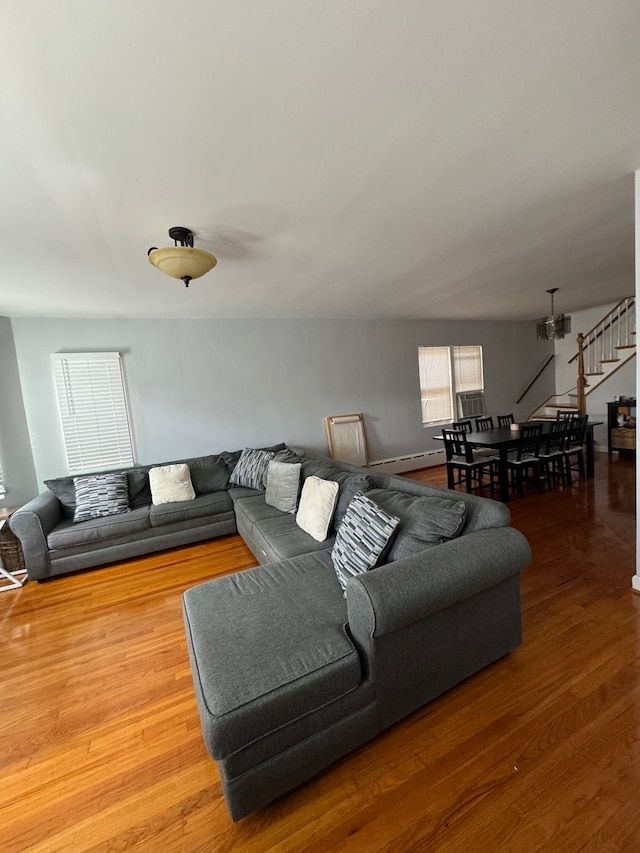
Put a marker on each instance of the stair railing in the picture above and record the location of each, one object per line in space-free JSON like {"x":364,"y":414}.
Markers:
{"x":535,"y":379}
{"x":615,"y":331}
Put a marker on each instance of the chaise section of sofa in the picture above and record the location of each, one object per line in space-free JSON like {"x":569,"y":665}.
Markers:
{"x":291,"y":673}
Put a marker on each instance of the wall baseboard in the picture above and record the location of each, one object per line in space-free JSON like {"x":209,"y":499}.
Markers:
{"x":410,"y":462}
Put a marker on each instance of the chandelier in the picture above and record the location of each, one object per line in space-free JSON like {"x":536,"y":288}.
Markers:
{"x":555,"y":326}
{"x":182,"y":261}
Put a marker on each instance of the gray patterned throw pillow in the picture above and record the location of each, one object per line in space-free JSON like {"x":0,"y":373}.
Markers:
{"x":98,"y":495}
{"x":251,"y":470}
{"x":362,"y":537}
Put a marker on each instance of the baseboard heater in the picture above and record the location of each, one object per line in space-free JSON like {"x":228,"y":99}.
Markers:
{"x":410,"y":462}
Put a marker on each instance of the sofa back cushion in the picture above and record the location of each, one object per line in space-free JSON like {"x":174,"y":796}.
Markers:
{"x":350,"y":485}
{"x":138,"y":483}
{"x":424,"y":521}
{"x":208,"y":474}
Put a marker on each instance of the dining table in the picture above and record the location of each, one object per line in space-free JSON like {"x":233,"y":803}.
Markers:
{"x":504,"y":439}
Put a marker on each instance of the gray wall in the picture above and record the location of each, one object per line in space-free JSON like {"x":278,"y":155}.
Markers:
{"x":15,"y":449}
{"x":197,"y":387}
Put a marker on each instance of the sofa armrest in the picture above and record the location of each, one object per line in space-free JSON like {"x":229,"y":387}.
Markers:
{"x":398,"y":594}
{"x":31,"y":524}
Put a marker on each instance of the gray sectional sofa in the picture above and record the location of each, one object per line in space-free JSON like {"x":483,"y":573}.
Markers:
{"x":53,"y":544}
{"x":291,"y":673}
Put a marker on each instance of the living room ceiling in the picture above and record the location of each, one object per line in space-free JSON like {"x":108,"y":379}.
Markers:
{"x":406,"y":159}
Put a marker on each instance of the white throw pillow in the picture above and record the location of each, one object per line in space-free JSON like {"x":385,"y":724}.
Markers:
{"x":317,"y":505}
{"x":170,"y":484}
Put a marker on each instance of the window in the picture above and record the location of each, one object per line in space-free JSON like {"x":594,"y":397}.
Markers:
{"x":93,"y":410}
{"x":444,"y":372}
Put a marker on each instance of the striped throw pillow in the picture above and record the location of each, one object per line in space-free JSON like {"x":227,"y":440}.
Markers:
{"x":98,"y":495}
{"x":362,"y":537}
{"x":251,"y":470}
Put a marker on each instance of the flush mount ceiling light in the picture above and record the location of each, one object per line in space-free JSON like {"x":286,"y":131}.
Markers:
{"x":182,"y":261}
{"x":555,"y":326}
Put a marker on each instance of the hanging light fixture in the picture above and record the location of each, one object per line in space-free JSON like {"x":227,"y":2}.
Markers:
{"x":555,"y":326}
{"x":182,"y":261}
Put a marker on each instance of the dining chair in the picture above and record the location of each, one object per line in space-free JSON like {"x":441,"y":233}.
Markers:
{"x":467,"y":426}
{"x":484,"y":423}
{"x":574,"y":447}
{"x":552,"y":459}
{"x":568,"y":414}
{"x":463,"y":466}
{"x":524,"y":462}
{"x":505,"y":420}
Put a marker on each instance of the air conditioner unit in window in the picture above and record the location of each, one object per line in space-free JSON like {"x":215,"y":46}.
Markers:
{"x":471,"y":404}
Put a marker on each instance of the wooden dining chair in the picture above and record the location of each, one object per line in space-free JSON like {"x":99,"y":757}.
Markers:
{"x":484,"y":423}
{"x":574,"y":447}
{"x":463,"y":466}
{"x":553,"y":464}
{"x":505,"y":420}
{"x":524,"y":462}
{"x":568,"y":414}
{"x":467,"y":426}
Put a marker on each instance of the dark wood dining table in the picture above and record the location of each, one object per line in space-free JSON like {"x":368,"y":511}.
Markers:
{"x":504,"y":439}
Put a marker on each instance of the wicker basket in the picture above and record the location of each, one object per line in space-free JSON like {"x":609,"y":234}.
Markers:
{"x":623,"y":439}
{"x":10,"y":551}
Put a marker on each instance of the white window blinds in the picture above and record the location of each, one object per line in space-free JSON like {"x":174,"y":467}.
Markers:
{"x":467,"y":368}
{"x":444,"y":371}
{"x":435,"y":384}
{"x":93,"y":410}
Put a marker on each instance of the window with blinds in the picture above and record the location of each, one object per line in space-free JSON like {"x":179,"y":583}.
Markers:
{"x":444,"y":371}
{"x":93,"y":410}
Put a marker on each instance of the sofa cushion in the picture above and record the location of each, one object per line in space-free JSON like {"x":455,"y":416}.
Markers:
{"x":283,"y":485}
{"x":170,"y":483}
{"x":64,"y":489}
{"x":208,"y":474}
{"x":350,"y":485}
{"x":210,"y":504}
{"x":98,"y":495}
{"x":424,"y":521}
{"x":280,"y":538}
{"x":251,"y":470}
{"x":139,"y":491}
{"x":288,"y":455}
{"x":317,"y":505}
{"x":139,"y":488}
{"x":69,"y":533}
{"x":290,"y":651}
{"x":362,"y":537}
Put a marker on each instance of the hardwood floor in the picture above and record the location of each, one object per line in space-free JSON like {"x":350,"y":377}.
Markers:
{"x":100,"y":746}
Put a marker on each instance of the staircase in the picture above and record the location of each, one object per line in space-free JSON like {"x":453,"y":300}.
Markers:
{"x":601,"y":353}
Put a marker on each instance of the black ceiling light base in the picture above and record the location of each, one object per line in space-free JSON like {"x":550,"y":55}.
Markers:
{"x":181,"y":235}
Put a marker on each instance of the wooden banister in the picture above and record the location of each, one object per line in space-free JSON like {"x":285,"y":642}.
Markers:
{"x":606,"y":325}
{"x":535,"y":379}
{"x":582,"y":381}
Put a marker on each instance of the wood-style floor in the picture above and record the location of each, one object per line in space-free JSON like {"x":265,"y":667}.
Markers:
{"x":100,"y":746}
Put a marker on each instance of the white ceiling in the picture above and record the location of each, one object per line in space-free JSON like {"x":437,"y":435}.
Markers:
{"x":342,"y":158}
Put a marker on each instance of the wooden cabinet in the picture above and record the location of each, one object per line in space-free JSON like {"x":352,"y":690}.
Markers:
{"x":620,"y":414}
